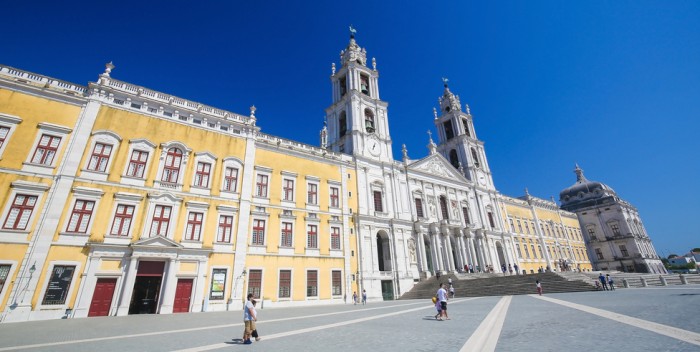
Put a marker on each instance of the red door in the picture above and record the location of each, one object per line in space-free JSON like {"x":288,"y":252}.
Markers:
{"x":183,"y":292}
{"x":102,"y":297}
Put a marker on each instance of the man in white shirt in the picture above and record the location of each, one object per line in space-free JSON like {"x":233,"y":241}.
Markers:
{"x":442,"y":297}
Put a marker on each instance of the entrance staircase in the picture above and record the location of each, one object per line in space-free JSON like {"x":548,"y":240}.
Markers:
{"x":477,"y":285}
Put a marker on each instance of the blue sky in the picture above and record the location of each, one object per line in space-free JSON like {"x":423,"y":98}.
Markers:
{"x":612,"y":85}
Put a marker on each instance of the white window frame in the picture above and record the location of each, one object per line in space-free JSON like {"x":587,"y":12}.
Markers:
{"x":225,"y":210}
{"x":207,"y":158}
{"x":289,"y":176}
{"x":339,"y":186}
{"x":50,"y":130}
{"x":28,"y":188}
{"x":264,"y":216}
{"x":11,"y":122}
{"x":85,"y":194}
{"x":330,"y":286}
{"x":306,"y":281}
{"x":10,"y":278}
{"x":195,"y":207}
{"x":312,"y":220}
{"x":142,"y":145}
{"x":291,"y":284}
{"x":312,"y":180}
{"x":291,"y":218}
{"x":261,"y":170}
{"x":104,"y":137}
{"x":164,"y":148}
{"x":165,"y":199}
{"x":123,"y":198}
{"x":238,"y":165}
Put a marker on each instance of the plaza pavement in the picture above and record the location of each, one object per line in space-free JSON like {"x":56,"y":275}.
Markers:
{"x":645,"y":319}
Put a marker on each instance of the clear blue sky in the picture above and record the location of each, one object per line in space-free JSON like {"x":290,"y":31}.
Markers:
{"x":612,"y":85}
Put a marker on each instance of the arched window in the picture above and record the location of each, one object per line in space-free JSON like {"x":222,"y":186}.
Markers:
{"x":454,"y":160}
{"x":342,"y":124}
{"x":364,"y":84}
{"x":369,"y":120}
{"x":475,"y":156}
{"x":171,"y":169}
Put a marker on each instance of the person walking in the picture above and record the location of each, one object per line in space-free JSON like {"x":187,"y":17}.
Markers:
{"x":611,"y":282}
{"x":442,"y":298}
{"x":515,"y":266}
{"x":354,"y":298}
{"x":248,"y":319}
{"x":254,"y":325}
{"x":603,"y":282}
{"x":539,"y":287}
{"x":364,"y":297}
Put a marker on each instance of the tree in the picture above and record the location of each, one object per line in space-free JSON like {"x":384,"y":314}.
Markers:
{"x":671,"y":256}
{"x":695,"y":250}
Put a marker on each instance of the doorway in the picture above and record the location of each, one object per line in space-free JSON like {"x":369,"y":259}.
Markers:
{"x":102,"y":297}
{"x":183,"y":293}
{"x":387,"y":290}
{"x":144,"y":299}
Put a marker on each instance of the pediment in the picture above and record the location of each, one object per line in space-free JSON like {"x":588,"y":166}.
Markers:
{"x":436,"y":165}
{"x":157,"y":241}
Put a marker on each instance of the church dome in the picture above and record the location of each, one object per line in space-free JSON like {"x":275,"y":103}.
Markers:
{"x":584,"y":190}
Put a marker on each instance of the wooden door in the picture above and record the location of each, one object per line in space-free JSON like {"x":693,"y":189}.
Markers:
{"x":183,"y":293}
{"x":102,"y":297}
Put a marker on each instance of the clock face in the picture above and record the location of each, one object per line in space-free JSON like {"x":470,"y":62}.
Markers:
{"x":373,"y":147}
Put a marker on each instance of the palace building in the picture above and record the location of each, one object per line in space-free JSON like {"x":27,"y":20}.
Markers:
{"x":116,"y":199}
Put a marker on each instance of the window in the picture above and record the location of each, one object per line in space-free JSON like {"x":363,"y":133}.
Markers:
{"x":223,"y":234}
{"x":527,"y":227}
{"x":419,"y":207}
{"x":171,"y":169}
{"x":465,"y":212}
{"x":20,"y":212}
{"x":520,"y":226}
{"x":335,"y":197}
{"x":623,"y":251}
{"x":59,"y":284}
{"x":311,"y":283}
{"x":512,"y":227}
{"x":534,"y":254}
{"x":312,"y":238}
{"x":255,"y":283}
{"x":615,"y":229}
{"x":312,"y":190}
{"x":4,"y":272}
{"x":454,"y":159}
{"x":475,"y":157}
{"x":449,"y":132}
{"x":369,"y":121}
{"x":230,"y":179}
{"x":194,"y":226}
{"x":258,"y":232}
{"x":491,"y":222}
{"x":286,"y":234}
{"x":336,"y":282}
{"x":364,"y":84}
{"x":137,"y":164}
{"x":218,"y":284}
{"x":517,"y":249}
{"x":342,"y":84}
{"x":46,"y":150}
{"x":465,"y":122}
{"x":599,"y":253}
{"x":335,"y":238}
{"x":591,"y":231}
{"x":261,"y":186}
{"x":4,"y":132}
{"x":201,"y":176}
{"x":378,"y":201}
{"x":161,"y":220}
{"x":80,"y":217}
{"x":288,"y":190}
{"x":9,"y":124}
{"x":443,"y":208}
{"x":122,"y":220}
{"x":285,"y":284}
{"x":343,"y":125}
{"x":539,"y":248}
{"x":527,"y":252}
{"x":100,"y":157}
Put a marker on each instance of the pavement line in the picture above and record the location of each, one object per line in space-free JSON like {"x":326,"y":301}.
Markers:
{"x":676,"y":333}
{"x":485,"y":337}
{"x":314,"y":328}
{"x":154,"y":333}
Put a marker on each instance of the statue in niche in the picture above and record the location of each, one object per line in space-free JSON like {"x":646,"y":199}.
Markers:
{"x":412,"y":249}
{"x":431,"y":206}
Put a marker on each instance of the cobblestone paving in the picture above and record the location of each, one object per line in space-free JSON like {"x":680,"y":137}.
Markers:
{"x":618,"y":320}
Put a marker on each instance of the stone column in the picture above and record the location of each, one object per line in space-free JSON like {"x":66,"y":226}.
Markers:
{"x":128,"y":287}
{"x":421,"y":246}
{"x":450,"y":256}
{"x":167,"y":297}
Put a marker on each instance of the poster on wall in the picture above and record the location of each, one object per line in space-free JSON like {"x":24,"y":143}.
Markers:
{"x":218,"y":284}
{"x":59,"y":284}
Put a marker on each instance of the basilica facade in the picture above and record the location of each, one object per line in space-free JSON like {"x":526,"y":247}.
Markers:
{"x":116,"y":199}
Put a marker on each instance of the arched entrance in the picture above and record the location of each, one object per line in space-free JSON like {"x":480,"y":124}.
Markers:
{"x":427,"y":254}
{"x":501,"y":256}
{"x":384,"y":265}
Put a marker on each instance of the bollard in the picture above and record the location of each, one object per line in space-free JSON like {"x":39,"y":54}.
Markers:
{"x":625,"y":284}
{"x":684,"y":280}
{"x":663,"y":280}
{"x":644,"y":281}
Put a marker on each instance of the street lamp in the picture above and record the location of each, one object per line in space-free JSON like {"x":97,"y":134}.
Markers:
{"x":32,"y":269}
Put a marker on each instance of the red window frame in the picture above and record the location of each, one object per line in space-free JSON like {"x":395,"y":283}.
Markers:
{"x":137,"y":163}
{"x":255,"y":282}
{"x":312,"y":237}
{"x":225,"y":229}
{"x":311,"y":283}
{"x":20,"y":212}
{"x":230,"y":179}
{"x":201,"y":174}
{"x":378,"y":206}
{"x":4,"y":132}
{"x":335,"y":238}
{"x":286,"y":234}
{"x":312,"y":193}
{"x":46,"y":149}
{"x":193,"y":230}
{"x":171,"y":167}
{"x":161,"y":218}
{"x":285,"y":284}
{"x":335,"y":197}
{"x":288,"y":190}
{"x":122,"y":220}
{"x":80,"y":216}
{"x":258,"y":232}
{"x":100,"y":157}
{"x":261,"y":186}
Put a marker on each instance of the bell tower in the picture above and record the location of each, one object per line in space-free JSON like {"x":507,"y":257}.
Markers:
{"x":458,"y":142}
{"x":357,"y":118}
